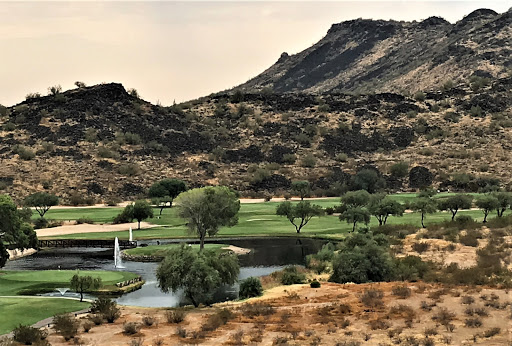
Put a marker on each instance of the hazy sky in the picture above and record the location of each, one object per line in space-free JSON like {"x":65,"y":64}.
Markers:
{"x":175,"y":50}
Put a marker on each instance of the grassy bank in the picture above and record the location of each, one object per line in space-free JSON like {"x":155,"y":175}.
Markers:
{"x":39,"y":281}
{"x":28,"y":310}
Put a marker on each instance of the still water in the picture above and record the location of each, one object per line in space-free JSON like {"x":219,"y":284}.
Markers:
{"x":267,"y":255}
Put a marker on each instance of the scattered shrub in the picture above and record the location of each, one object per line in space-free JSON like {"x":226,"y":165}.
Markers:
{"x":131,"y":328}
{"x":257,"y":309}
{"x":372,"y":298}
{"x":24,"y":152}
{"x":175,"y":316}
{"x":292,"y":276}
{"x":128,"y":169}
{"x":489,"y":333}
{"x":444,"y":317}
{"x":473,"y":322}
{"x":401,"y":291}
{"x":148,"y":321}
{"x":420,"y":247}
{"x":87,"y":325}
{"x":66,"y":325}
{"x":216,"y":320}
{"x":96,"y":319}
{"x":28,"y":335}
{"x":467,"y":300}
{"x":315,"y":284}
{"x":107,"y":308}
{"x":250,"y":287}
{"x":181,"y":332}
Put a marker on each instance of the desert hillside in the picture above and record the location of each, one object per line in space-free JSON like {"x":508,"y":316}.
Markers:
{"x":365,"y":55}
{"x":103,"y":141}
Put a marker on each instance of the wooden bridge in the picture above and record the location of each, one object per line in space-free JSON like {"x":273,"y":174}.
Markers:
{"x":123,"y":244}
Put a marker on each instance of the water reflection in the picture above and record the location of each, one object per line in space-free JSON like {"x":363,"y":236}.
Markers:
{"x":267,"y":255}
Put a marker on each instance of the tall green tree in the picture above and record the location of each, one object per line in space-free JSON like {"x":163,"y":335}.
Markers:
{"x":14,"y":230}
{"x":353,"y":199}
{"x":302,"y":188}
{"x":487,"y":203}
{"x":381,"y":206}
{"x":163,"y":192}
{"x":81,"y":284}
{"x":355,"y":215}
{"x":199,"y":274}
{"x":206,"y":209}
{"x":369,"y":180}
{"x":504,"y":201}
{"x":41,"y":201}
{"x":455,"y":202}
{"x":299,"y":214}
{"x":142,"y":210}
{"x":424,"y":206}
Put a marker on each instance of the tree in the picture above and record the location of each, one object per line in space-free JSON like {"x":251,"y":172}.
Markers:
{"x":163,"y":192}
{"x":81,"y":284}
{"x":41,"y":201}
{"x":303,"y":211}
{"x":141,"y":211}
{"x":54,"y":90}
{"x":198,"y":273}
{"x":14,"y":230}
{"x":382,"y":206}
{"x":125,"y":216}
{"x":487,"y":203}
{"x":504,"y":202}
{"x":427,"y":192}
{"x":455,"y":202}
{"x":358,"y":198}
{"x":355,"y":215}
{"x":424,"y":206}
{"x":399,"y":170}
{"x":362,"y":258}
{"x":369,"y":180}
{"x":206,"y":209}
{"x":420,"y":177}
{"x":302,"y":188}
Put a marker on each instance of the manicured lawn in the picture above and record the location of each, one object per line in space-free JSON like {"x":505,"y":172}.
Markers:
{"x":33,"y":281}
{"x":27,"y":310}
{"x":162,"y":250}
{"x":260,"y":220}
{"x":99,"y":215}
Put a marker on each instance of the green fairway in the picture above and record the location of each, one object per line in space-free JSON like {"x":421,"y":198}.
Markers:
{"x":162,"y":250}
{"x":28,"y":310}
{"x":260,"y":220}
{"x":99,"y":215}
{"x":255,"y":219}
{"x":34,"y":281}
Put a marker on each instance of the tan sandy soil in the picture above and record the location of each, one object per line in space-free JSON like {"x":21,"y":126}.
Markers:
{"x":464,"y":256}
{"x":88,"y":228}
{"x":314,"y":316}
{"x":237,"y":250}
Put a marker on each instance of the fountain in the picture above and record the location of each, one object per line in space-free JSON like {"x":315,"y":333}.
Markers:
{"x":131,"y":234}
{"x":62,"y":291}
{"x":118,"y":263}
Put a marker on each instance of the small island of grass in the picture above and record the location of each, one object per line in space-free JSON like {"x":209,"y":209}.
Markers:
{"x":155,"y":253}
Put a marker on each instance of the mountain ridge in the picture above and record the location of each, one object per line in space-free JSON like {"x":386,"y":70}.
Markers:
{"x":365,"y":55}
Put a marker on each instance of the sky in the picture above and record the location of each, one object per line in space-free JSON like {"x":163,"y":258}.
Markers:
{"x":175,"y":50}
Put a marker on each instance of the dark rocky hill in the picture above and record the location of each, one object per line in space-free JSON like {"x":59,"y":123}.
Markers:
{"x":389,"y":56}
{"x":102,"y":141}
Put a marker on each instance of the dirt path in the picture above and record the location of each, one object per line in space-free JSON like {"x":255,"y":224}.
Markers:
{"x":88,"y":228}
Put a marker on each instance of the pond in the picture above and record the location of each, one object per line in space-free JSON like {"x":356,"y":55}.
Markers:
{"x":267,"y":255}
